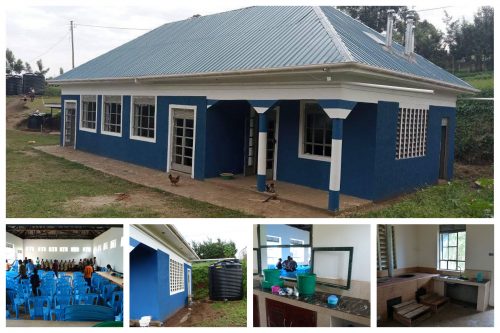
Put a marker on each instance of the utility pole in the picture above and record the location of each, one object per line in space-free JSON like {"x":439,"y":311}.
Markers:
{"x":72,"y":46}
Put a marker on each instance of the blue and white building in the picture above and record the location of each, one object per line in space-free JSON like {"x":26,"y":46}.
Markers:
{"x":160,"y":271}
{"x":304,"y":95}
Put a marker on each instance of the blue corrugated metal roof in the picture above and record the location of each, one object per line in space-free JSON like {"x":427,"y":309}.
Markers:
{"x":248,"y":39}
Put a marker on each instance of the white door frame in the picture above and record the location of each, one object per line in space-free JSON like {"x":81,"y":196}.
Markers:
{"x":189,"y":282}
{"x":171,"y":130}
{"x":64,"y":121}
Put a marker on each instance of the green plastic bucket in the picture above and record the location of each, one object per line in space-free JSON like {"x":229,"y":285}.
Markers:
{"x":306,"y":283}
{"x":271,"y":275}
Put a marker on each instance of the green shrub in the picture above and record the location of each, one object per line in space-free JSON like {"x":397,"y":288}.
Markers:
{"x":52,"y":91}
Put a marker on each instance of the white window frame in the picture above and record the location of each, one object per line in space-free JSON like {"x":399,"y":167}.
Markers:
{"x":302,"y":120}
{"x":86,"y":249}
{"x":173,"y":277}
{"x":53,"y":249}
{"x":112,"y":244}
{"x":99,"y":248}
{"x":105,"y":246}
{"x":74,"y":249}
{"x":63,"y":249}
{"x":67,"y":101}
{"x":121,"y":118}
{"x":42,"y":249}
{"x":29,"y":249}
{"x":417,"y":131}
{"x":131,"y":127}
{"x":85,"y":129}
{"x":171,"y":129}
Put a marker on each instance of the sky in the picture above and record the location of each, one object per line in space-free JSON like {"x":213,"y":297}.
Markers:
{"x":239,"y":233}
{"x":42,"y":31}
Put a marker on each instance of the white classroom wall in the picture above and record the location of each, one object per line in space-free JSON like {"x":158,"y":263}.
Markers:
{"x":18,"y":245}
{"x":114,"y":256}
{"x":36,"y":243}
{"x":405,"y":237}
{"x":428,"y":243}
{"x":338,"y":235}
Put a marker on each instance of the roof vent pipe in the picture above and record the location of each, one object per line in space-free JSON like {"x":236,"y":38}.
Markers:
{"x":409,"y":35}
{"x":390,"y":27}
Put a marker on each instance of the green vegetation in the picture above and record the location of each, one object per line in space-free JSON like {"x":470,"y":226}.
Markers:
{"x":479,"y":80}
{"x":40,"y":185}
{"x":209,"y":249}
{"x":454,"y":199}
{"x":230,"y":314}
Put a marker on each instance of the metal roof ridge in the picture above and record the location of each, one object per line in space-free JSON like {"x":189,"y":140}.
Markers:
{"x":330,"y":30}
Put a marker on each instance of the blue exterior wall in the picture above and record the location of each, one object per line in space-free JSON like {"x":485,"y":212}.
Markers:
{"x":225,"y":138}
{"x":150,"y":284}
{"x":393,"y":177}
{"x":148,"y":154}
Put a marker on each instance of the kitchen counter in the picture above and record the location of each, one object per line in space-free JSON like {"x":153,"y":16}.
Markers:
{"x":483,"y":289}
{"x":389,"y":281}
{"x":351,"y":309}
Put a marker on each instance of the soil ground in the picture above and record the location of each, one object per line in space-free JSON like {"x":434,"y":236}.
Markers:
{"x":209,"y":314}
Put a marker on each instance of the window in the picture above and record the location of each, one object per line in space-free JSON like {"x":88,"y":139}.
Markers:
{"x":86,"y":249}
{"x":411,"y":136}
{"x":88,"y":114}
{"x":112,"y":244}
{"x":382,"y":253}
{"x":75,"y":249}
{"x":121,"y":242}
{"x":95,"y":249}
{"x":317,"y":131}
{"x":52,"y":248}
{"x":105,"y":246}
{"x":298,"y":254}
{"x":63,"y":249}
{"x":42,"y":249}
{"x":452,"y":247}
{"x":29,"y":249}
{"x":273,"y":254}
{"x":176,"y":277}
{"x":143,"y":119}
{"x":98,"y":248}
{"x":112,"y":115}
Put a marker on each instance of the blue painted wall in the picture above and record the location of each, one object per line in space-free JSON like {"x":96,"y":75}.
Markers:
{"x":151,"y":155}
{"x":143,"y":289}
{"x":393,"y":177}
{"x":225,"y":138}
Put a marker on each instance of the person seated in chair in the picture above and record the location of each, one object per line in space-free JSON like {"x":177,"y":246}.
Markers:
{"x":279,"y":265}
{"x":291,"y":265}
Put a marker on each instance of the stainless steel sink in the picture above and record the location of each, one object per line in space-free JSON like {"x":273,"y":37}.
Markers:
{"x":406,"y":276}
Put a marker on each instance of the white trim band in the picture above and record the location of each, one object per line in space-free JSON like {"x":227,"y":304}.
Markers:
{"x":261,"y":157}
{"x":336,"y":113}
{"x":260,"y":109}
{"x":335,"y":165}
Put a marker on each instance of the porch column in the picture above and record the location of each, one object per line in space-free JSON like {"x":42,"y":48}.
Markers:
{"x":337,"y":111}
{"x":261,"y":107}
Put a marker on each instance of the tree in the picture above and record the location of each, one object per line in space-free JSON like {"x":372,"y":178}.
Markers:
{"x":214,"y":250}
{"x":10,"y":61}
{"x":18,"y":66}
{"x":27,"y":67}
{"x":41,"y":70}
{"x":429,"y":43}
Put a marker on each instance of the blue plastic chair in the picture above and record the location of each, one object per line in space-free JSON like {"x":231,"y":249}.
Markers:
{"x":64,"y":291}
{"x":49,"y":274}
{"x":77,"y":275}
{"x":65,"y":279}
{"x":79,"y":292}
{"x":10,"y":297}
{"x":90,"y":299}
{"x":116,"y":301}
{"x":107,"y":291}
{"x":47,"y":291}
{"x":88,"y":313}
{"x":39,"y":306}
{"x":60,"y":303}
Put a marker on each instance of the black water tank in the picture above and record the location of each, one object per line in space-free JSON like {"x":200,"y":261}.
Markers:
{"x":36,"y":81}
{"x":225,"y":280}
{"x":14,"y":85}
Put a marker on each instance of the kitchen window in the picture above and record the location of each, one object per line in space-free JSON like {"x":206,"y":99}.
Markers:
{"x":452,"y":247}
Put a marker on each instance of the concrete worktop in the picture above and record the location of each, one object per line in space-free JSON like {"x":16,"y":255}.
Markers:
{"x":389,"y":281}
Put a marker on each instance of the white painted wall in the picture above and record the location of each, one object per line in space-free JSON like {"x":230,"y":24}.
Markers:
{"x":406,"y":240}
{"x":428,"y":243}
{"x":35,"y":243}
{"x":357,"y":236}
{"x":18,"y":245}
{"x":114,"y":256}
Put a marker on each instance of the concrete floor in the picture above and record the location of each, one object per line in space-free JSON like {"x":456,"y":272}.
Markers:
{"x":455,"y":314}
{"x":48,"y":323}
{"x":298,"y":201}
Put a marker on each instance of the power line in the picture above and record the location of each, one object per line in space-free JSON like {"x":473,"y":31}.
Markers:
{"x":105,"y":27}
{"x":429,"y":9}
{"x":50,"y":48}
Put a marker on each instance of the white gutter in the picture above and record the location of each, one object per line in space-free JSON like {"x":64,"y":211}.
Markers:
{"x":383,"y":86}
{"x":370,"y":70}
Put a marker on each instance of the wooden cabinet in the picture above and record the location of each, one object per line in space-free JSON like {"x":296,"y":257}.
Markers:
{"x":256,"y":316}
{"x":284,"y":315}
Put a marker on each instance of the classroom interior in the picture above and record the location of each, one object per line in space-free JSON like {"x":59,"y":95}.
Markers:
{"x":69,"y":294}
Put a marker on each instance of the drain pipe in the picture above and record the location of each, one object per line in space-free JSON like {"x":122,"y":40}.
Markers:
{"x":390,"y":256}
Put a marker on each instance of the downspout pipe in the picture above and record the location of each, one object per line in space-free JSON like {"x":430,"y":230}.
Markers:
{"x":390,"y":255}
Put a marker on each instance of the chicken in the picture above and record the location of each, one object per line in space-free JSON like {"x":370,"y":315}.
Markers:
{"x":270,"y":188}
{"x":174,"y":180}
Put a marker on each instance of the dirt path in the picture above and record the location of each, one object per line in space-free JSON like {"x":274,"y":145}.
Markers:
{"x":16,"y":112}
{"x":197,"y":313}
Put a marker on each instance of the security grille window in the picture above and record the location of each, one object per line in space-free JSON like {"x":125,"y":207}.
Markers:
{"x":317,"y":131}
{"x":382,"y":253}
{"x":42,"y":249}
{"x":86,"y":249}
{"x":30,"y":249}
{"x":411,"y":137}
{"x":176,"y":277}
{"x":89,"y":112}
{"x":112,"y":244}
{"x":112,"y":114}
{"x":10,"y":245}
{"x":75,"y":249}
{"x":143,"y":117}
{"x":105,"y":246}
{"x":63,"y":249}
{"x":99,"y":248}
{"x":52,"y":248}
{"x":452,"y":247}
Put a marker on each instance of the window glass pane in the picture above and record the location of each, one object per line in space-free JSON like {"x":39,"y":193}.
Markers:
{"x":442,"y":265}
{"x":445,"y":240}
{"x":445,"y":253}
{"x":461,"y":246}
{"x":452,"y":239}
{"x":452,"y":265}
{"x":461,"y":266}
{"x":452,"y":253}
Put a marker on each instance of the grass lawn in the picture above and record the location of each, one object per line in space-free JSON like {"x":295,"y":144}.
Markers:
{"x":231,"y":314}
{"x":459,"y":198}
{"x":40,"y":185}
{"x":479,"y":80}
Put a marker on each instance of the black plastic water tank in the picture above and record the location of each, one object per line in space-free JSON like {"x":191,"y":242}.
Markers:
{"x":35,"y":81}
{"x":14,"y":85}
{"x":225,"y":280}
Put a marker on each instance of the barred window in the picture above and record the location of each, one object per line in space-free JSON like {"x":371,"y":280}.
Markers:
{"x":63,"y":249}
{"x":86,"y":249}
{"x":52,"y":248}
{"x":29,"y":249}
{"x":143,"y":118}
{"x":88,"y":113}
{"x":42,"y":249}
{"x":75,"y":249}
{"x":411,"y":137}
{"x":112,"y":115}
{"x":317,"y":131}
{"x":176,"y":277}
{"x":112,"y":244}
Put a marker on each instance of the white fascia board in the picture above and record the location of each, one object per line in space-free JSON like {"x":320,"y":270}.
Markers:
{"x":275,"y":91}
{"x":153,"y":242}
